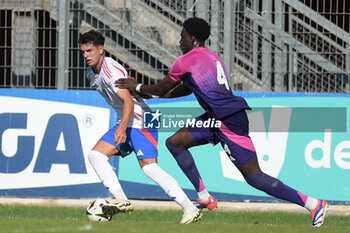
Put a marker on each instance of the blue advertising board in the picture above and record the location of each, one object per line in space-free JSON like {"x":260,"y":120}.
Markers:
{"x":46,"y":135}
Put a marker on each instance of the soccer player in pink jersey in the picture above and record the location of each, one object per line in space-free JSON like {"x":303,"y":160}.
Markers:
{"x":127,"y":135}
{"x":204,"y":74}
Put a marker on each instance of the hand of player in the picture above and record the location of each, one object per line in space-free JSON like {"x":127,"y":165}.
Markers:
{"x":130,"y":83}
{"x":119,"y":136}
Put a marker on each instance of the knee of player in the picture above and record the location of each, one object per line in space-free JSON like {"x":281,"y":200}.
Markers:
{"x":91,"y":156}
{"x":168,"y":143}
{"x":148,"y":169}
{"x":264,"y":182}
{"x":254,"y":179}
{"x":94,"y":156}
{"x":172,"y":147}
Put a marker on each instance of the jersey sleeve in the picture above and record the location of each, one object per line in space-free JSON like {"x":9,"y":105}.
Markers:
{"x":177,"y":70}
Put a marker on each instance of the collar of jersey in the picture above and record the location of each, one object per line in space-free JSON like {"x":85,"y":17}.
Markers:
{"x":102,"y":63}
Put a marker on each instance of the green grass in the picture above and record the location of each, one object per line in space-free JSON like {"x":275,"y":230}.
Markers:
{"x":36,"y":219}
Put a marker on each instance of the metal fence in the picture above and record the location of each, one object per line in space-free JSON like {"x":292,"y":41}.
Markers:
{"x":278,"y":45}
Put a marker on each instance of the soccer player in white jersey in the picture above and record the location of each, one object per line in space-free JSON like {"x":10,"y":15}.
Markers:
{"x":127,"y":135}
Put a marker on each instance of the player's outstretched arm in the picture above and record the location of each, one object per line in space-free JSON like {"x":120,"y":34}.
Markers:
{"x":159,"y":89}
{"x":178,"y":91}
{"x":144,"y":95}
{"x":128,"y":110}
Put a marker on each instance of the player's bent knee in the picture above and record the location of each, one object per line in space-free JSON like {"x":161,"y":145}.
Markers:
{"x":145,"y":162}
{"x":91,"y":156}
{"x":150,"y":169}
{"x":174,"y":149}
{"x":176,"y":141}
{"x":168,"y":143}
{"x":94,"y":156}
{"x":263,"y":182}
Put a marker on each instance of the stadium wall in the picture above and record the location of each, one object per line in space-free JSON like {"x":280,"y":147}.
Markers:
{"x":303,"y":139}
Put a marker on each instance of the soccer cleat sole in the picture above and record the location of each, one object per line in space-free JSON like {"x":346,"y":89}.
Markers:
{"x":205,"y":206}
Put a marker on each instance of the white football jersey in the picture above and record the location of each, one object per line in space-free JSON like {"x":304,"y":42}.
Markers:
{"x":111,"y":71}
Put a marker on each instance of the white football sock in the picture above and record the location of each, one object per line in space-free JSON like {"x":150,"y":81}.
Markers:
{"x":169,"y":185}
{"x":203,"y":195}
{"x":311,"y":203}
{"x":106,"y":174}
{"x":188,"y":206}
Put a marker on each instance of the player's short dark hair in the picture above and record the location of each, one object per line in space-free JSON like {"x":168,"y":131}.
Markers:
{"x":197,"y":27}
{"x":94,"y":37}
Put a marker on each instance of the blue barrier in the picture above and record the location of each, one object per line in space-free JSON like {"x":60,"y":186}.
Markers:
{"x":47,"y":134}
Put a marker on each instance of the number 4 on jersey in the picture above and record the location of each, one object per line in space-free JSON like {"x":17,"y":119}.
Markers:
{"x":220,"y":75}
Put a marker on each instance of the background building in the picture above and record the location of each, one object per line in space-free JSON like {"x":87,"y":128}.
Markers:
{"x":277,"y":45}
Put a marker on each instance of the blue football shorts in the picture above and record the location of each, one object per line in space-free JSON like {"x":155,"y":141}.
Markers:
{"x":143,"y":142}
{"x":233,"y":136}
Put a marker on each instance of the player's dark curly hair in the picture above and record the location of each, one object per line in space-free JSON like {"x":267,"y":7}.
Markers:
{"x":197,"y":27}
{"x":94,"y":37}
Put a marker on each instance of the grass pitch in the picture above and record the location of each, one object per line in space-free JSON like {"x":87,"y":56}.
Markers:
{"x":37,"y":219}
